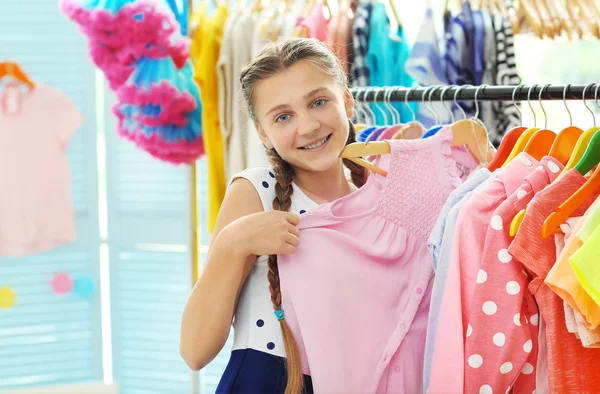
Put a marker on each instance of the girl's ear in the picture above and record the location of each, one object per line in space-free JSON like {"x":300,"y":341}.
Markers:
{"x":263,"y":136}
{"x":348,"y":103}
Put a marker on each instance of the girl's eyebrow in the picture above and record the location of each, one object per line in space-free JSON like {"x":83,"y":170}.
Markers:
{"x":306,"y":96}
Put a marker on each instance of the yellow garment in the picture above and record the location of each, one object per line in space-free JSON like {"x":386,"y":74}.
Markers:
{"x":205,"y":50}
{"x":586,"y":264}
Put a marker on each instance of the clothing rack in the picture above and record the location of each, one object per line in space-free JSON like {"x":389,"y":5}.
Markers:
{"x":483,"y":92}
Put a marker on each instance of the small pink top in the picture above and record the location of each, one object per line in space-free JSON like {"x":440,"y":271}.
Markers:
{"x":501,"y":347}
{"x":36,"y":208}
{"x":356,"y":292}
{"x":474,"y":218}
{"x":315,"y":23}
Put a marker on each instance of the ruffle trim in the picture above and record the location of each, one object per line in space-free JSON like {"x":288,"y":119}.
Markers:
{"x":118,"y":40}
{"x":176,"y":152}
{"x":451,"y":167}
{"x":174,"y":104}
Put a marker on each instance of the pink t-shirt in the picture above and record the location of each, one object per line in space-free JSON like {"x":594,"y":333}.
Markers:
{"x":505,"y":341}
{"x":36,"y":207}
{"x":474,"y":218}
{"x":356,"y":292}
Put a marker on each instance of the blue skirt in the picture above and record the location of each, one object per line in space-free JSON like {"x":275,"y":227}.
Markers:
{"x":251,"y":371}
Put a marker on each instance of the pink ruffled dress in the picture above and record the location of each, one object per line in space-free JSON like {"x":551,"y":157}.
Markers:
{"x":357,"y":291}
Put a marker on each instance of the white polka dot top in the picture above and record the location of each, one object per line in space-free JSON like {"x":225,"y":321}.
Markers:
{"x":255,"y":325}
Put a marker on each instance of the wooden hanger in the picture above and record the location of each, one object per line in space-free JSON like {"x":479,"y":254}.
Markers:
{"x":394,"y":20}
{"x":465,"y":133}
{"x":13,"y":69}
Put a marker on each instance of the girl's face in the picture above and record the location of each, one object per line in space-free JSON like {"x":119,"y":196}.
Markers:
{"x":303,"y":113}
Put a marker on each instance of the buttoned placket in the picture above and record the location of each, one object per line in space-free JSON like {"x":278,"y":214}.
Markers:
{"x":389,"y":356}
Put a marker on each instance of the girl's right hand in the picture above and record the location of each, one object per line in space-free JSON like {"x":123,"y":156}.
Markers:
{"x":265,"y":233}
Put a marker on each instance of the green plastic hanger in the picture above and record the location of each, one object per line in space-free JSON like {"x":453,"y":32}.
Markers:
{"x":591,"y":157}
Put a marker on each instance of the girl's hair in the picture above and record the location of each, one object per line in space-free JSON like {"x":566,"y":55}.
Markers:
{"x":275,"y":58}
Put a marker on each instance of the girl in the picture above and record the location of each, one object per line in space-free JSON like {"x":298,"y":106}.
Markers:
{"x":298,"y":98}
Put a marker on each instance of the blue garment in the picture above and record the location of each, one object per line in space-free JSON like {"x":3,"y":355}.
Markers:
{"x":363,"y":135}
{"x":251,"y":371}
{"x":361,"y":28}
{"x":459,"y":57}
{"x":440,"y":246}
{"x":424,"y":63}
{"x":478,"y":47}
{"x":386,"y":59}
{"x":432,"y":131}
{"x":376,"y":133}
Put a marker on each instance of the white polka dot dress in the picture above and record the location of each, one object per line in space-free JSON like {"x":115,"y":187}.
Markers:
{"x":255,"y":324}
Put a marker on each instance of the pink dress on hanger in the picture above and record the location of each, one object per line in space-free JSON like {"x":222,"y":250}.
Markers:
{"x":356,"y":292}
{"x":315,"y":22}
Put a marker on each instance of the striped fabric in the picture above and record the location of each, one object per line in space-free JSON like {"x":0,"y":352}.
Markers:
{"x":505,"y":113}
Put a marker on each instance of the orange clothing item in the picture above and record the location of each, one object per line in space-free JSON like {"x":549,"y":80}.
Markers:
{"x":571,"y":367}
{"x":563,"y":281}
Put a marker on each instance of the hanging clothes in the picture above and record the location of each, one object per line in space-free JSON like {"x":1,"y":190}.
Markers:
{"x":386,"y":58}
{"x":515,"y":351}
{"x":380,"y":235}
{"x":208,"y":45}
{"x":568,"y":361}
{"x":36,"y":205}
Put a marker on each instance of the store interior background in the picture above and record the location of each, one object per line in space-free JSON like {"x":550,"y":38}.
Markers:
{"x":134,"y":223}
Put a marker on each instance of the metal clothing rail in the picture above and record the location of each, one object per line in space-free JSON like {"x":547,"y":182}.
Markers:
{"x":483,"y":92}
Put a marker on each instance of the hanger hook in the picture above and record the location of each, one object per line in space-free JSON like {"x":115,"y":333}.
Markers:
{"x":458,"y":89}
{"x":586,"y":106}
{"x":541,"y":106}
{"x":596,"y":96}
{"x":565,"y":102}
{"x":427,"y":107}
{"x":476,"y":101}
{"x":394,"y":111}
{"x":529,"y":103}
{"x":444,"y":103}
{"x":515,"y":103}
{"x":414,"y":116}
{"x":377,"y":91}
{"x":438,"y":117}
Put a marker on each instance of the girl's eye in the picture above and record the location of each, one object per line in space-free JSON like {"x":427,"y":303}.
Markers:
{"x":282,"y":118}
{"x":319,"y":103}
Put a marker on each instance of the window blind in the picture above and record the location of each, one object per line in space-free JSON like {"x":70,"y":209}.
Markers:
{"x":46,"y":339}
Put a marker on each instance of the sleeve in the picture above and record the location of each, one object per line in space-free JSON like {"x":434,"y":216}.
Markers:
{"x":68,"y":119}
{"x":501,"y":338}
{"x":263,"y":180}
{"x":586,"y":264}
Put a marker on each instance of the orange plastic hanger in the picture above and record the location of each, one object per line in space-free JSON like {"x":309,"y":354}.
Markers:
{"x":542,"y":140}
{"x":584,"y":138}
{"x":13,"y":69}
{"x":526,"y":136}
{"x":508,"y":141}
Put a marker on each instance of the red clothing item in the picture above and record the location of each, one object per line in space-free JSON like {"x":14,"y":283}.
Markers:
{"x":506,"y":340}
{"x":571,"y":367}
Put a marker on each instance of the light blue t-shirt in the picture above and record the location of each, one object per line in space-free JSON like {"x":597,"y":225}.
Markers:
{"x":440,"y":246}
{"x":386,"y":59}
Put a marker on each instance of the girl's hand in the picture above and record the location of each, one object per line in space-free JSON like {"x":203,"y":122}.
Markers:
{"x":264,"y":233}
